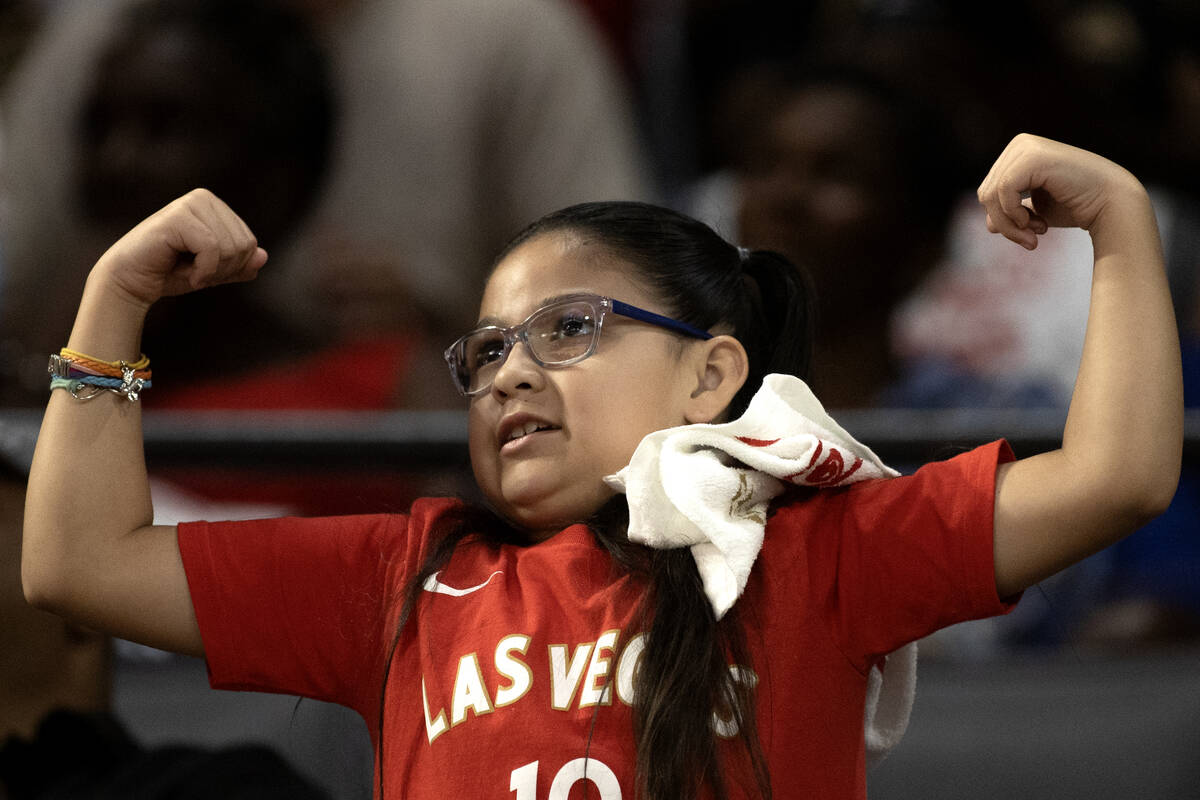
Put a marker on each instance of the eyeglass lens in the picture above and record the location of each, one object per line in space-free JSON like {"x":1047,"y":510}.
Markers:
{"x":556,"y":334}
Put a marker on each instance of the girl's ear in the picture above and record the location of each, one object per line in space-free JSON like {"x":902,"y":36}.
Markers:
{"x":721,"y":367}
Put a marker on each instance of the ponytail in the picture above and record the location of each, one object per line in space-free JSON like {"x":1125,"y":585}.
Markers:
{"x":777,"y":324}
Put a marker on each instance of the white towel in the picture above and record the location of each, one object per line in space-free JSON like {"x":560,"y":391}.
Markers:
{"x":708,"y":487}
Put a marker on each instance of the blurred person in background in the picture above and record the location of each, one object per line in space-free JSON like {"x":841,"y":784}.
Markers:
{"x":455,"y":122}
{"x":178,"y":94}
{"x":851,"y":177}
{"x":851,"y":174}
{"x":235,"y":96}
{"x":927,"y":95}
{"x":459,"y":121}
{"x":188,"y":93}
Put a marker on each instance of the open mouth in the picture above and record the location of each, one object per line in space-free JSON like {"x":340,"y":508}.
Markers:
{"x":521,"y":431}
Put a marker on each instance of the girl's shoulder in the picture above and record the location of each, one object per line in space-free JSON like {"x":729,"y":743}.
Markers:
{"x":965,"y":479}
{"x":424,"y":511}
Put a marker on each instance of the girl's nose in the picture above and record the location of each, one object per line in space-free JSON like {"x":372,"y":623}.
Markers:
{"x":518,"y":373}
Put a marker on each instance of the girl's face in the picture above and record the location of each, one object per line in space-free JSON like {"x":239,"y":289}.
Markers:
{"x":594,"y":412}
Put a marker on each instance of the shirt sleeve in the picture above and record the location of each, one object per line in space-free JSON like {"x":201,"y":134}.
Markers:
{"x":891,"y":561}
{"x":301,"y":606}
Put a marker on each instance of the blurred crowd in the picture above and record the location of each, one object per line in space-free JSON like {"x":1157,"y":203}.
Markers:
{"x":383,"y":150}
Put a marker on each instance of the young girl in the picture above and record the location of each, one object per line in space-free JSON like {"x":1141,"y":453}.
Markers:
{"x":533,"y":649}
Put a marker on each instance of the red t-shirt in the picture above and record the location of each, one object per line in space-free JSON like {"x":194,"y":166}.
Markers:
{"x":522,"y":655}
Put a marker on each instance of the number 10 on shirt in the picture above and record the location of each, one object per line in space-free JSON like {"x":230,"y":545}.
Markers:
{"x":524,"y":780}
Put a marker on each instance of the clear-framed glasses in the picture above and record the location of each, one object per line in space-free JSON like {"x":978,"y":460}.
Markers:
{"x":558,"y":334}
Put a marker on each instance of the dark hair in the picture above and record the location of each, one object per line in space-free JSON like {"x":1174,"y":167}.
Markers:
{"x":765,"y":302}
{"x":759,"y":297}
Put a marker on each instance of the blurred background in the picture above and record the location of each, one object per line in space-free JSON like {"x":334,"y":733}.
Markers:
{"x":384,"y":150}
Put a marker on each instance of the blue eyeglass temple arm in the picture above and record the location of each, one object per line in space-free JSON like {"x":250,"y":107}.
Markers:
{"x":642,"y":315}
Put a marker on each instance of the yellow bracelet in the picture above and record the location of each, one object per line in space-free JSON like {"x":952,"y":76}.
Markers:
{"x":100,"y":364}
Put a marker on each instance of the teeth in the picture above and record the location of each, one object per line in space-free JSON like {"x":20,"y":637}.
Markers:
{"x":526,"y":429}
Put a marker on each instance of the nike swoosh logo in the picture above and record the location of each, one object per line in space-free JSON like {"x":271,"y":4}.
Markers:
{"x":432,"y":584}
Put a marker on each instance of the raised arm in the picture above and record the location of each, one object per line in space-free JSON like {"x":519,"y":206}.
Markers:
{"x":90,"y":552}
{"x":1119,"y":463}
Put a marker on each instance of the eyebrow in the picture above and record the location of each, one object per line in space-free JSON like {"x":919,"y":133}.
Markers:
{"x":485,"y":322}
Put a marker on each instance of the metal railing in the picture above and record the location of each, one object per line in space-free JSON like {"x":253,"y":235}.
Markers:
{"x":416,"y":439}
